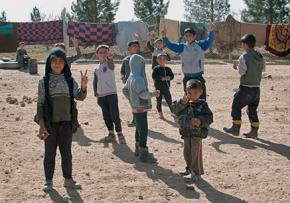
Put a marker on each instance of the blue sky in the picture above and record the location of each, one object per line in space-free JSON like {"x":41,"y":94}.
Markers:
{"x":19,"y":10}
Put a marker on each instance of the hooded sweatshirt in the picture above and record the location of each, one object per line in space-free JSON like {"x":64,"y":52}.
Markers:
{"x":57,"y":100}
{"x":251,"y":65}
{"x":136,"y":87}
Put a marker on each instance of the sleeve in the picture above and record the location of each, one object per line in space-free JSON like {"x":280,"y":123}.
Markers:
{"x":170,"y":73}
{"x":40,"y":99}
{"x":149,"y":46}
{"x":178,"y":48}
{"x":126,"y":92}
{"x":123,"y":69}
{"x":155,"y":75}
{"x":95,"y":84}
{"x":206,"y":116}
{"x":242,"y":66}
{"x":205,"y":44}
{"x":141,"y":89}
{"x":79,"y":94}
{"x":178,"y":107}
{"x":73,"y":58}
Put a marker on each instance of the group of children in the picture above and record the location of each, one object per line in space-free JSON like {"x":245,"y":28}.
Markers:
{"x":55,"y":96}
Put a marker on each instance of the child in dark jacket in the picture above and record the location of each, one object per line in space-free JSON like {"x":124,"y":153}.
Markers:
{"x":56,"y":93}
{"x":194,"y":118}
{"x":162,"y":75}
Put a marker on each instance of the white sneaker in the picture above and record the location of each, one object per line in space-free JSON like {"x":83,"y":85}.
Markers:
{"x":70,"y":183}
{"x":48,"y":185}
{"x":190,"y":177}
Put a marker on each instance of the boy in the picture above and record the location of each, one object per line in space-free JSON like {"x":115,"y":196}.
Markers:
{"x":157,"y":49}
{"x":162,"y":75}
{"x":136,"y":91}
{"x":71,"y":59}
{"x":194,"y":119}
{"x":133,"y":48}
{"x":21,"y":55}
{"x":250,"y":66}
{"x":56,"y":93}
{"x":106,"y":91}
{"x":192,"y":55}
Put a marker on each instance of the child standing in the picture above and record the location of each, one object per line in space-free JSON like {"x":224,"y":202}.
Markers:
{"x":106,"y":91}
{"x":192,"y":55}
{"x":56,"y":93}
{"x":194,"y":119}
{"x":250,"y":66}
{"x":162,"y":75}
{"x":156,"y":50}
{"x":136,"y":91}
{"x":133,"y":48}
{"x":21,"y":55}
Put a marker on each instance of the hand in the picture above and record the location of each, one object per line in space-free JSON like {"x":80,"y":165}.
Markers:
{"x":136,"y":36}
{"x":167,"y":78}
{"x":149,"y":37}
{"x":213,"y":27}
{"x":124,"y":80}
{"x":163,"y":78}
{"x":75,"y":41}
{"x":43,"y":133}
{"x":110,"y":54}
{"x":84,"y":80}
{"x":195,"y":122}
{"x":184,"y":99}
{"x":164,"y":32}
{"x":156,"y":93}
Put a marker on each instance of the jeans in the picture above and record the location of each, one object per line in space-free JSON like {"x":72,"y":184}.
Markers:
{"x":141,"y":132}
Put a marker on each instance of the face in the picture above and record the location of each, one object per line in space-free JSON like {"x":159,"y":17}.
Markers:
{"x":159,"y":45}
{"x":57,"y":65}
{"x":189,"y":37}
{"x":245,"y":46}
{"x":134,"y":49}
{"x":162,"y":60}
{"x":102,"y":54}
{"x":21,"y":46}
{"x":193,"y":94}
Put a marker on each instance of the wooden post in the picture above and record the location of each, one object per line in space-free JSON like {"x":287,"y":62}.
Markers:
{"x":64,"y":27}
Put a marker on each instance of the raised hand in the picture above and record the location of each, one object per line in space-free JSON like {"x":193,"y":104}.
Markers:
{"x":84,"y":80}
{"x":136,"y":36}
{"x":184,"y":99}
{"x":164,"y":32}
{"x":110,"y":53}
{"x":149,"y":37}
{"x":75,"y":41}
{"x":213,"y":27}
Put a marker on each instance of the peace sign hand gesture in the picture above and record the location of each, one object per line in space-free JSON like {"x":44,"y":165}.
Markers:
{"x":84,"y":81}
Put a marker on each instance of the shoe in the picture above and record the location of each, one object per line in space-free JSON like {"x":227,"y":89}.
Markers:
{"x":110,"y":138}
{"x":234,"y":130}
{"x":144,"y":155}
{"x":121,"y":138}
{"x":131,"y":124}
{"x":253,"y":133}
{"x":185,"y":172}
{"x":190,"y":177}
{"x":161,"y":115}
{"x":70,"y":183}
{"x":48,"y":185}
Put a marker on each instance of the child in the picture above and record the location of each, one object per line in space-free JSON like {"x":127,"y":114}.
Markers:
{"x":194,"y":119}
{"x":133,"y":48}
{"x":162,"y":75}
{"x":21,"y":55}
{"x":136,"y":91}
{"x":106,"y":91}
{"x":56,"y":93}
{"x":71,"y":59}
{"x":192,"y":55}
{"x":157,"y":49}
{"x":251,"y":65}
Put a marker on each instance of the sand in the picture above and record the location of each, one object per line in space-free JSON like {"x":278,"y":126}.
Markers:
{"x":236,"y":169}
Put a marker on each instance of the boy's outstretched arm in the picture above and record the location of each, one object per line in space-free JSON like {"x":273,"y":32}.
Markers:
{"x":178,"y":48}
{"x":206,"y":44}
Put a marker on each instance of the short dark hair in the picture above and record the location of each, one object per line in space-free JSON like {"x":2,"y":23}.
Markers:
{"x":249,"y":39}
{"x":133,"y":42}
{"x":193,"y":84}
{"x":60,"y":45}
{"x":21,"y":43}
{"x":189,"y":30}
{"x":102,"y":46}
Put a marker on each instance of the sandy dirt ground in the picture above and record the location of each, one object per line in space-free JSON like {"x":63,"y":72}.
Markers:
{"x":236,"y":169}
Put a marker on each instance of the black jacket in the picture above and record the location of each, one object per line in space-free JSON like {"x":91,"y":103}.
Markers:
{"x":157,"y":75}
{"x":188,"y":111}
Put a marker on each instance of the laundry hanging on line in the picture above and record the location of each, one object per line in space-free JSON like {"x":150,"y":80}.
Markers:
{"x":8,"y":37}
{"x":91,"y":33}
